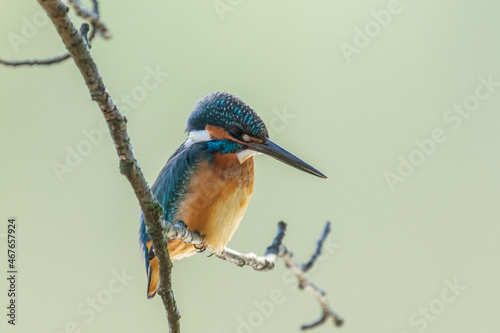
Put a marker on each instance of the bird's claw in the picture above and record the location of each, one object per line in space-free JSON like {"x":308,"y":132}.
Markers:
{"x":202,"y":247}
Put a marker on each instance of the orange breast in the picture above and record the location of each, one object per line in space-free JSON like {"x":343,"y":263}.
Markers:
{"x":216,"y":200}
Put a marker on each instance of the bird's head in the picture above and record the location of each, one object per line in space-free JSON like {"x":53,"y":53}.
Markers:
{"x":221,"y":116}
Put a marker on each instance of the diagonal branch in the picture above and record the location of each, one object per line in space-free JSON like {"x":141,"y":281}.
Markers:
{"x":78,"y":49}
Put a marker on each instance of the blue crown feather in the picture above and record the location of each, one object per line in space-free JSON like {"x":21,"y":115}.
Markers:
{"x":224,"y":110}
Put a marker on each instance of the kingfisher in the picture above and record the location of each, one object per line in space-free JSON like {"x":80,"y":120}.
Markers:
{"x":208,"y":181}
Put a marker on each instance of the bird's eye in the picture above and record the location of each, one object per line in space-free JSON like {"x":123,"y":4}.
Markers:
{"x":235,"y":132}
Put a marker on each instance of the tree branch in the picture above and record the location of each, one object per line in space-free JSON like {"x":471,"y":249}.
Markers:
{"x":79,"y":51}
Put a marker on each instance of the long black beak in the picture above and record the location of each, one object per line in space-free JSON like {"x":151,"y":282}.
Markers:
{"x":281,"y":154}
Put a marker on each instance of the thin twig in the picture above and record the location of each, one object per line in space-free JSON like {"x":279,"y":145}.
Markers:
{"x":275,"y":247}
{"x":79,"y":51}
{"x":90,"y":16}
{"x":35,"y":62}
{"x":95,"y":7}
{"x":307,"y":266}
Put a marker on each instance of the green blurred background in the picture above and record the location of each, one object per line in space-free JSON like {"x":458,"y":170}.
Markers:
{"x":394,"y":250}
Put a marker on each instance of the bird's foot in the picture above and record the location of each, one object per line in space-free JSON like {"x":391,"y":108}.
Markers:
{"x":202,"y":247}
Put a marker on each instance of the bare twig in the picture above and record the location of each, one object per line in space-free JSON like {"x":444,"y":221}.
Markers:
{"x":79,"y":51}
{"x":91,"y":16}
{"x":278,"y":250}
{"x":35,"y":62}
{"x":319,"y":245}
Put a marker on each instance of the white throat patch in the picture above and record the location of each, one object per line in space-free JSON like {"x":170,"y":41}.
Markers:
{"x":246,"y":154}
{"x":197,"y":136}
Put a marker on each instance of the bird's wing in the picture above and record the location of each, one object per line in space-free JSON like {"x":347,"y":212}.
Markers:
{"x":169,"y":187}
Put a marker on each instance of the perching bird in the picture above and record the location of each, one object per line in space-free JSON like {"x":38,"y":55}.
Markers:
{"x":208,"y":181}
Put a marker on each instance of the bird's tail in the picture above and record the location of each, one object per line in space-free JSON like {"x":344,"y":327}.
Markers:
{"x":153,"y":272}
{"x":177,"y":250}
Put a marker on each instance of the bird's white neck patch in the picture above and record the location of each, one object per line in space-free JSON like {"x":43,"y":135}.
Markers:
{"x":197,"y":136}
{"x":245,"y":155}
